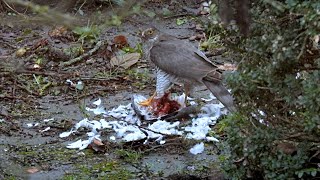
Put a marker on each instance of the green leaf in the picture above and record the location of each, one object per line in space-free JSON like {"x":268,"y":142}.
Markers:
{"x":181,"y":21}
{"x":314,"y":173}
{"x":150,"y":13}
{"x":166,"y":11}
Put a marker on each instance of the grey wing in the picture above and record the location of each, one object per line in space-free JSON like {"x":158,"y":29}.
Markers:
{"x":180,"y":59}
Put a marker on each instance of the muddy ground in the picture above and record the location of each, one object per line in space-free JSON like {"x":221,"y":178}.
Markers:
{"x":30,"y":94}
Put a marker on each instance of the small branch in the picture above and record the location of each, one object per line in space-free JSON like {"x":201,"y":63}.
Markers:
{"x":303,"y":47}
{"x":46,"y":73}
{"x":13,"y":9}
{"x":178,"y":15}
{"x":15,"y":97}
{"x":80,"y":58}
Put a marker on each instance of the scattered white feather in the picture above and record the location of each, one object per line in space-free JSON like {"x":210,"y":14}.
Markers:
{"x":121,"y":111}
{"x":212,"y":139}
{"x":65,"y":134}
{"x":112,"y":138}
{"x":197,"y":149}
{"x":98,"y":110}
{"x":47,"y":120}
{"x":211,"y":97}
{"x":29,"y":125}
{"x":199,"y":128}
{"x":80,"y":144}
{"x":46,"y":129}
{"x":127,"y":126}
{"x":105,"y":124}
{"x":164,"y":127}
{"x":97,"y":102}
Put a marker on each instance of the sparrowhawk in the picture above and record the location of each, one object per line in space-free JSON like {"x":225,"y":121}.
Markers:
{"x":179,"y":61}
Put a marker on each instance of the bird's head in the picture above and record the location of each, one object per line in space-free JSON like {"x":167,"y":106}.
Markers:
{"x":150,"y":34}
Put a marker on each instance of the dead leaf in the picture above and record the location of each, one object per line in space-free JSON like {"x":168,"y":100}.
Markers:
{"x":98,"y":142}
{"x":40,"y":44}
{"x":125,"y":61}
{"x":32,"y":170}
{"x":61,"y":33}
{"x":120,"y":41}
{"x":57,"y":31}
{"x":97,"y":146}
{"x":20,"y":52}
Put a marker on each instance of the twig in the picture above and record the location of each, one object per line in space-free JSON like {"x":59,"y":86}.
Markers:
{"x":315,"y":154}
{"x":81,"y":96}
{"x":80,"y":58}
{"x":303,"y":47}
{"x":98,"y":79}
{"x":49,"y":15}
{"x":15,"y":97}
{"x":8,"y":44}
{"x":47,"y":73}
{"x":22,"y":86}
{"x":147,"y":129}
{"x":13,"y":9}
{"x":178,"y":15}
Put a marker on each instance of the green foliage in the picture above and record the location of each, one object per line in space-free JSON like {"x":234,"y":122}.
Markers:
{"x":141,"y":78}
{"x":101,"y":170}
{"x":137,"y":49}
{"x":90,"y":33}
{"x":40,"y":84}
{"x":277,"y":89}
{"x":129,"y":155}
{"x":181,"y":21}
{"x":253,"y":153}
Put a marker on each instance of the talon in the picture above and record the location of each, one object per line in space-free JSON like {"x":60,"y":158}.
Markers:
{"x":148,"y":101}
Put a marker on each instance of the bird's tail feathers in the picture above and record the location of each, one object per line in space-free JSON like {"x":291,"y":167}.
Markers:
{"x":222,"y":94}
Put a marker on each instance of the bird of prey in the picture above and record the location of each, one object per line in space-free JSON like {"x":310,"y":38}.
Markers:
{"x":178,"y":61}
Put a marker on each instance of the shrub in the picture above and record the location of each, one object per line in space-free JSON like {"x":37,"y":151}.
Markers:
{"x":276,"y":133}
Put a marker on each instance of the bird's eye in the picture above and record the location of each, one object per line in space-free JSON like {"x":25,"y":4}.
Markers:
{"x":150,"y":32}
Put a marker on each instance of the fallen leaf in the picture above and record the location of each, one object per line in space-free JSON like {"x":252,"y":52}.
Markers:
{"x":98,"y":142}
{"x":125,"y":61}
{"x":181,"y":21}
{"x":121,"y":41}
{"x":20,"y":52}
{"x":40,"y":44}
{"x":57,"y":32}
{"x":32,"y":170}
{"x":97,"y":145}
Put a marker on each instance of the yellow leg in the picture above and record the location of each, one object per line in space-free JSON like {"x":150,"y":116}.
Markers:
{"x":186,"y":91}
{"x":148,"y":101}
